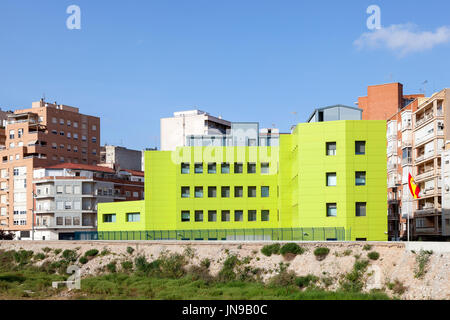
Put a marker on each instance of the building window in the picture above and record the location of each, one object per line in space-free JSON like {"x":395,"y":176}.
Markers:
{"x":252,"y":192}
{"x":133,"y":217}
{"x":185,"y":216}
{"x":69,"y":135}
{"x":198,"y":216}
{"x":185,"y":168}
{"x":331,"y":148}
{"x":59,"y":221}
{"x":68,"y":123}
{"x":225,"y":168}
{"x":238,"y":215}
{"x":75,"y":136}
{"x":198,"y":168}
{"x":199,"y":192}
{"x":11,"y":134}
{"x":331,"y":179}
{"x":61,"y":133}
{"x":251,"y":215}
{"x":54,"y":120}
{"x":212,"y":192}
{"x":94,"y":139}
{"x":61,"y":121}
{"x":211,"y":168}
{"x":251,"y":167}
{"x":238,"y":167}
{"x":19,"y":133}
{"x":225,"y":215}
{"x":238,"y":192}
{"x":212,"y":216}
{"x":264,"y":215}
{"x":94,"y":127}
{"x":264,"y":192}
{"x":225,"y":192}
{"x":265,"y":168}
{"x":360,"y":209}
{"x":109,"y":218}
{"x":360,"y":147}
{"x":54,"y":132}
{"x":185,"y":192}
{"x":331,"y":210}
{"x":360,"y":178}
{"x":75,"y":124}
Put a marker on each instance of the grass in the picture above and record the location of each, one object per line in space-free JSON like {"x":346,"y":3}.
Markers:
{"x":422,"y":260}
{"x":321,"y":253}
{"x":270,"y":249}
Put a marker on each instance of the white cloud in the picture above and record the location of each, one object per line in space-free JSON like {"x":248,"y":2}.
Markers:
{"x":403,"y":39}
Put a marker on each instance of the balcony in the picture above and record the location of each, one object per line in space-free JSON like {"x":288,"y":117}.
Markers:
{"x":407,"y":161}
{"x":428,"y":211}
{"x":406,"y":144}
{"x":422,"y":140}
{"x":427,"y":117}
{"x":425,"y":175}
{"x":391,"y":166}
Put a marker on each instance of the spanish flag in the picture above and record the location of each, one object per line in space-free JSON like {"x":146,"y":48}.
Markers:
{"x":413,"y":187}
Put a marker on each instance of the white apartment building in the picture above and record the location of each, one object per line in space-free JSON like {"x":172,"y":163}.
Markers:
{"x":174,"y":130}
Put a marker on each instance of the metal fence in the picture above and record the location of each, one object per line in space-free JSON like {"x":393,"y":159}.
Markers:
{"x":293,"y":234}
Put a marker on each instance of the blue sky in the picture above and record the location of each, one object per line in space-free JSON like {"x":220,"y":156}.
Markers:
{"x":134,"y":62}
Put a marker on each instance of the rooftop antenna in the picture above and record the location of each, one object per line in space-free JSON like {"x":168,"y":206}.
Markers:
{"x":423,"y":88}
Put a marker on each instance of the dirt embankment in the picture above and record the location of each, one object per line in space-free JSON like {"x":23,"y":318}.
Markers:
{"x":395,"y":263}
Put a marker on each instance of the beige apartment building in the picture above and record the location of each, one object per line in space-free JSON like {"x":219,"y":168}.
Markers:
{"x":430,"y":136}
{"x":43,"y":135}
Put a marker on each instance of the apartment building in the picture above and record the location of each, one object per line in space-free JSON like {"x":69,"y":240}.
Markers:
{"x":174,"y":130}
{"x":324,"y":175}
{"x":67,"y":196}
{"x":416,"y":138}
{"x":430,"y":135}
{"x":43,"y":135}
{"x":117,"y":157}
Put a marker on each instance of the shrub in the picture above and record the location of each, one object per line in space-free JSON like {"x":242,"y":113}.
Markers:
{"x":305,"y":281}
{"x":227,"y":272}
{"x":373,"y":255}
{"x":39,"y":256}
{"x":46,"y":249}
{"x":189,"y":252}
{"x":422,"y":259}
{"x":111,"y":267}
{"x":23,"y":257}
{"x":284,"y":279}
{"x":105,"y":252}
{"x":83,"y":260}
{"x":347,"y":252}
{"x":291,"y":248}
{"x":130,"y":250}
{"x":321,"y":253}
{"x":205,"y":263}
{"x":69,"y":255}
{"x":127,"y":265}
{"x":200,"y":273}
{"x":397,"y":287}
{"x":270,"y":249}
{"x":352,"y":281}
{"x":91,"y":253}
{"x":57,"y":251}
{"x":367,"y":247}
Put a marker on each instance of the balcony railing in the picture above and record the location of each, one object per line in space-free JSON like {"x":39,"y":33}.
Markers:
{"x":425,"y":175}
{"x":424,"y":119}
{"x":427,"y":211}
{"x":406,"y":161}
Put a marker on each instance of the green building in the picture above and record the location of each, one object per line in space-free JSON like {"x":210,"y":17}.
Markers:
{"x":324,"y":181}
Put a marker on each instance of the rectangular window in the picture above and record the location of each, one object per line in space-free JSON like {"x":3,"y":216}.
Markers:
{"x":360,"y":147}
{"x":199,"y":168}
{"x":238,"y":215}
{"x":185,"y":168}
{"x":211,"y":168}
{"x":238,"y":167}
{"x":225,"y":168}
{"x":264,"y":215}
{"x":59,"y":221}
{"x":212,"y":192}
{"x":331,"y":179}
{"x":185,"y":192}
{"x":252,"y":192}
{"x":198,"y":216}
{"x":199,"y":192}
{"x":251,"y":215}
{"x":251,"y":167}
{"x":212,"y":215}
{"x":109,"y":218}
{"x":360,"y":209}
{"x":360,"y":178}
{"x":331,"y":210}
{"x":238,"y":192}
{"x":185,"y":216}
{"x":133,"y":217}
{"x":225,"y":215}
{"x":225,"y":192}
{"x":264,"y":192}
{"x":331,"y":148}
{"x":265,"y":168}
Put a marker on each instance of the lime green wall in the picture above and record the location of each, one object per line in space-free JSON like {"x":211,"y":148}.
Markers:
{"x":297,"y":183}
{"x":120,"y":209}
